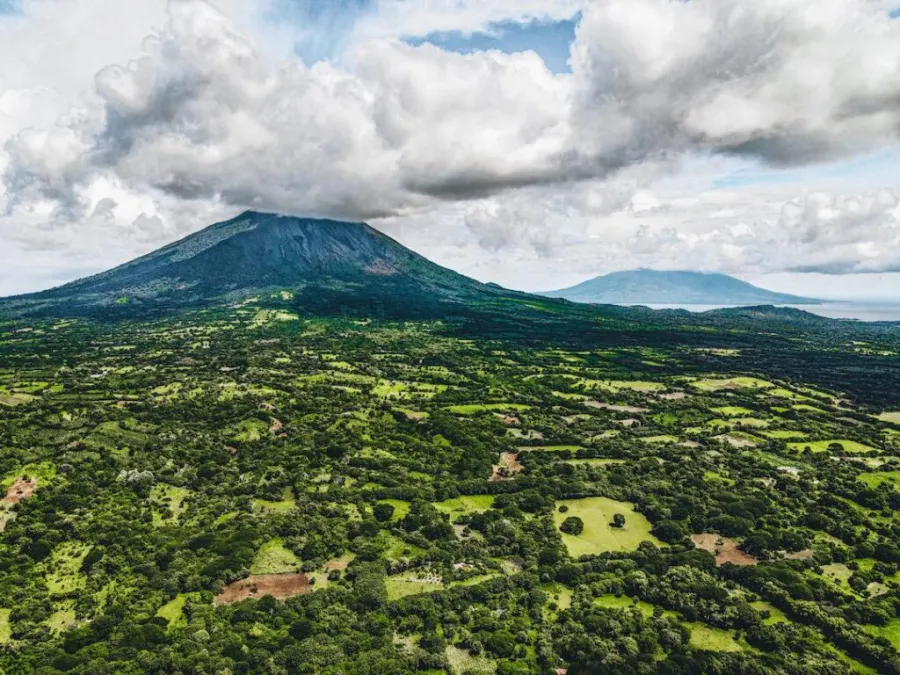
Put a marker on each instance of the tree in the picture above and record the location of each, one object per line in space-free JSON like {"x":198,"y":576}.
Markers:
{"x":618,"y":520}
{"x":572,"y":525}
{"x":383,"y":512}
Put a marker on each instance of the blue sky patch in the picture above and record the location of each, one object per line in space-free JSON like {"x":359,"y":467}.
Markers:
{"x":550,"y":39}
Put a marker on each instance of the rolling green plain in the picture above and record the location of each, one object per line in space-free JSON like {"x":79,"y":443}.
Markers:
{"x":251,"y":489}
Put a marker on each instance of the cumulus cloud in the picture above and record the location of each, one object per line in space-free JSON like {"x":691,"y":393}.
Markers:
{"x":211,"y":114}
{"x":774,"y":79}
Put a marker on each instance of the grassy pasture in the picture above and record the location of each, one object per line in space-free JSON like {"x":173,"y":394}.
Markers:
{"x":732,"y":411}
{"x":286,"y":503}
{"x":475,"y":408}
{"x":168,"y":502}
{"x":274,"y":558}
{"x":5,"y":627}
{"x":463,"y":663}
{"x":173,"y":611}
{"x":599,"y":536}
{"x":464,"y":505}
{"x":822,"y":446}
{"x":401,"y":508}
{"x":718,"y":384}
{"x":64,"y":575}
{"x":873,"y":480}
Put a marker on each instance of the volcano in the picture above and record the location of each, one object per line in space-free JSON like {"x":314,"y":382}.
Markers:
{"x":325,"y":264}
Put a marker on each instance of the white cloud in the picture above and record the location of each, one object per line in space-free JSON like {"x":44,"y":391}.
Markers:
{"x":179,"y":114}
{"x":772,"y":79}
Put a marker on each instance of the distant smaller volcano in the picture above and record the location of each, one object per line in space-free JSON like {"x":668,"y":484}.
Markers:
{"x":651,"y":287}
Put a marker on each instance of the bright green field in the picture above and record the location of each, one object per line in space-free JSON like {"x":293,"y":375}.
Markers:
{"x":286,"y":504}
{"x":274,"y":558}
{"x":875,"y":479}
{"x":822,"y":446}
{"x":552,"y":448}
{"x":173,"y":611}
{"x":890,"y":632}
{"x":461,"y":506}
{"x":660,"y":439}
{"x":5,"y":628}
{"x":463,"y":663}
{"x":397,"y":588}
{"x":775,"y":614}
{"x":625,"y":602}
{"x":709,"y":639}
{"x":401,"y":508}
{"x":475,"y":408}
{"x":599,"y":536}
{"x":783,"y":434}
{"x":171,"y":497}
{"x":714,"y":384}
{"x":732,"y":411}
{"x":893,"y":417}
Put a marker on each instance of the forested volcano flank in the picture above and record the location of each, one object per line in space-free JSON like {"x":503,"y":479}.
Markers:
{"x":318,"y":259}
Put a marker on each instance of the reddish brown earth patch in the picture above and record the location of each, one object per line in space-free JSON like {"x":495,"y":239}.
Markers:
{"x":279,"y":586}
{"x":276,"y":427}
{"x":509,"y":466}
{"x":509,"y":420}
{"x":726,"y":552}
{"x":23,"y":488}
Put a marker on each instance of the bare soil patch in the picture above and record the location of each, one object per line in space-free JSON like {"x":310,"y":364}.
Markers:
{"x":23,"y":488}
{"x":674,"y":396}
{"x":615,"y":408}
{"x":279,"y":586}
{"x":508,"y":467}
{"x":336,"y":565}
{"x":510,"y":420}
{"x":735,"y":441}
{"x":724,"y":549}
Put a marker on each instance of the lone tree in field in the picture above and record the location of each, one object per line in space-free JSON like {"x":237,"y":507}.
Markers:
{"x":572,"y":525}
{"x":618,"y":520}
{"x":383,"y":512}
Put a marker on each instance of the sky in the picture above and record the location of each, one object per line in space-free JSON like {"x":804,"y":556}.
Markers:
{"x":534,"y":143}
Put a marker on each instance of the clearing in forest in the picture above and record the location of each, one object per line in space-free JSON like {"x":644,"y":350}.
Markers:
{"x":599,"y":536}
{"x":475,"y":408}
{"x":464,"y":505}
{"x":173,"y":611}
{"x":723,"y":548}
{"x":274,"y":557}
{"x":463,"y":663}
{"x":64,"y":565}
{"x":167,"y":502}
{"x":616,"y":408}
{"x":5,"y":627}
{"x":719,"y":384}
{"x":893,"y":417}
{"x":873,"y":480}
{"x":279,"y":586}
{"x":286,"y":504}
{"x":508,"y":467}
{"x":823,"y":446}
{"x":401,"y":508}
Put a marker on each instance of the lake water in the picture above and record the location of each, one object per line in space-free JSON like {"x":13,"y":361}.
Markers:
{"x":832,"y":310}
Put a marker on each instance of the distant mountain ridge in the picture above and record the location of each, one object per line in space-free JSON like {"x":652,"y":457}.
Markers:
{"x":653,"y":287}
